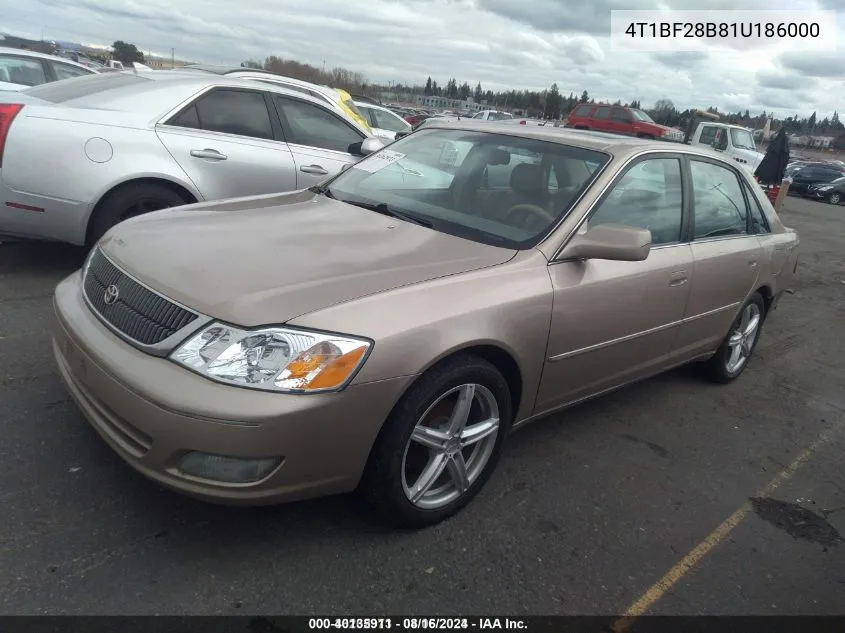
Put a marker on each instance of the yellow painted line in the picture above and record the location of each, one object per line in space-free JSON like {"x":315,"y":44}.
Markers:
{"x":688,"y":562}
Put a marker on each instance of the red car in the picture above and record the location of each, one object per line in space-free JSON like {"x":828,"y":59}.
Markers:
{"x":620,"y":120}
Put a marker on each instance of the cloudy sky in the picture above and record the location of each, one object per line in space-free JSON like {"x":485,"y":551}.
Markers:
{"x":525,"y":44}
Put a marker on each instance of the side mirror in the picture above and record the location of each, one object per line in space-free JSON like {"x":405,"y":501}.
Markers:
{"x":370,"y":146}
{"x":609,"y":241}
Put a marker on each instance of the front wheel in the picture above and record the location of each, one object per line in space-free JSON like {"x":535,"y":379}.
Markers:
{"x":834,"y":198}
{"x":440,"y":444}
{"x":733,"y":355}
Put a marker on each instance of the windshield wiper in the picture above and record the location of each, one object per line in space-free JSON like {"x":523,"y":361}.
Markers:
{"x":322,"y":189}
{"x":385,"y":209}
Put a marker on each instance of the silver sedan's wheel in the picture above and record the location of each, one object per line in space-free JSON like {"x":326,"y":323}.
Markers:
{"x":743,"y":337}
{"x":450,"y":446}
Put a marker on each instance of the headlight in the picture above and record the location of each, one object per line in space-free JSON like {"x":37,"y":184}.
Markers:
{"x":273,"y":358}
{"x":824,"y":187}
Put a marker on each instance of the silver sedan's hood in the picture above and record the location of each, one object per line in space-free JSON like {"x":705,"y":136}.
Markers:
{"x":268,"y":259}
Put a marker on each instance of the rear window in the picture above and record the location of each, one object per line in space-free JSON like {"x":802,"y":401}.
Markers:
{"x":78,"y":87}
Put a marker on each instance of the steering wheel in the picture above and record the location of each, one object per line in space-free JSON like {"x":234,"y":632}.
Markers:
{"x":531,"y":209}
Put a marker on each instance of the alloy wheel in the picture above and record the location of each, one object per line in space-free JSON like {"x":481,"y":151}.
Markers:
{"x":742,"y":338}
{"x":450,"y":446}
{"x":834,"y":198}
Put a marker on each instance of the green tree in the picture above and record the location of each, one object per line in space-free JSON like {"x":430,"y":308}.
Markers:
{"x":126,"y":53}
{"x":478,"y":95}
{"x":553,"y":102}
{"x":464,"y":91}
{"x":585,"y":97}
{"x":427,"y":90}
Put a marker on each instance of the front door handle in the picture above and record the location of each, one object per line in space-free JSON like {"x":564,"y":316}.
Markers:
{"x":678,"y":278}
{"x":313,"y":169}
{"x":210,"y":154}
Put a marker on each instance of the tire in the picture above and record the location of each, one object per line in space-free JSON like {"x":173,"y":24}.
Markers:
{"x":391,"y":477}
{"x":834,"y":198}
{"x":645,"y":136}
{"x":128,"y":201}
{"x":719,"y":368}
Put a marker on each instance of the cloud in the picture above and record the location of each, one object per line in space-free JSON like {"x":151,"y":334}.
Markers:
{"x":828,"y":65}
{"x":503,"y":44}
{"x":783,"y":80}
{"x":681,"y":59}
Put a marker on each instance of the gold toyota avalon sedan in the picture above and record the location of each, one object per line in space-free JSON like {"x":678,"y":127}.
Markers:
{"x":386,"y":330}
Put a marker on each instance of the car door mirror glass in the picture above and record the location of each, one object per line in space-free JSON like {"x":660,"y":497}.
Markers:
{"x":609,"y":241}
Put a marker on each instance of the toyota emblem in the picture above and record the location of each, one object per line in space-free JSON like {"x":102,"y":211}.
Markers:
{"x":110,"y":295}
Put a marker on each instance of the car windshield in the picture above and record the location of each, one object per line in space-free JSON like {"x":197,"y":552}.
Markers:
{"x":742,"y":139}
{"x":492,"y":188}
{"x":838,"y":181}
{"x":641,"y":116}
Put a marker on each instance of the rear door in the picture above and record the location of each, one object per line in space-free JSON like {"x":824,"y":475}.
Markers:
{"x":601,"y":119}
{"x":727,"y":256}
{"x":321,"y":141}
{"x":229,"y":143}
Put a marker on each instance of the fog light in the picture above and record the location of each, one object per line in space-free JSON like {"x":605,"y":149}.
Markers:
{"x":235,"y":470}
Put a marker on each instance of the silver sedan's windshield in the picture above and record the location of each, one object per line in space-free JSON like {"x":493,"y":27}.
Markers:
{"x":492,"y":188}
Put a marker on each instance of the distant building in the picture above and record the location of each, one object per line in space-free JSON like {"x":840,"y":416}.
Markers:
{"x":430,"y":101}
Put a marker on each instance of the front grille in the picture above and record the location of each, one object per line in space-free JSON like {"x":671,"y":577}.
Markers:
{"x":138,"y":312}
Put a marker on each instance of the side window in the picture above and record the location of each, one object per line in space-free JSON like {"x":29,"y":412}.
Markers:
{"x":314,"y":126}
{"x":648,"y":196}
{"x":582,"y":110}
{"x":621,"y":115}
{"x":759,"y":223}
{"x":231,"y":112}
{"x":387,"y":121}
{"x":22,"y":70}
{"x":720,"y":208}
{"x":708,"y":135}
{"x":66,"y":71}
{"x":602,"y":113}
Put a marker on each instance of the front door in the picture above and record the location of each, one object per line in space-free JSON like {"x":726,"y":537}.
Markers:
{"x":615,"y":322}
{"x":228,"y":146}
{"x":320,"y":140}
{"x":727,"y":257}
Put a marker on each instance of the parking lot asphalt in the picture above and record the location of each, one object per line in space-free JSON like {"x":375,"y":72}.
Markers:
{"x":673,"y":496}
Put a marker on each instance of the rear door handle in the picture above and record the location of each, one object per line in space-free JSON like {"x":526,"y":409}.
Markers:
{"x":313,"y":169}
{"x":210,"y":154}
{"x":678,"y":278}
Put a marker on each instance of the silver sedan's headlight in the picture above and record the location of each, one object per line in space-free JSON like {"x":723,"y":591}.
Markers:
{"x":274,"y":358}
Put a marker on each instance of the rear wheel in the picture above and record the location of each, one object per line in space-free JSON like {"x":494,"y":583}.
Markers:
{"x":735,"y":352}
{"x":128,"y":201}
{"x":440,"y":444}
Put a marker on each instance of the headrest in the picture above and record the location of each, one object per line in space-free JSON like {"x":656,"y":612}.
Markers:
{"x":528,"y":179}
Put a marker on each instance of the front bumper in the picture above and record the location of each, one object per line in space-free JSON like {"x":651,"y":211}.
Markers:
{"x":152,"y":412}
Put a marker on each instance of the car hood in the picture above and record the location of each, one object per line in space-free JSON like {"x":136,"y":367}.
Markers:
{"x":269,"y":259}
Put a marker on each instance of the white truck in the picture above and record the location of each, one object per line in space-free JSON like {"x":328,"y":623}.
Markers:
{"x":734,"y":140}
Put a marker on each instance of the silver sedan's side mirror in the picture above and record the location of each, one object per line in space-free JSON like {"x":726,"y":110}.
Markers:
{"x":371,"y":146}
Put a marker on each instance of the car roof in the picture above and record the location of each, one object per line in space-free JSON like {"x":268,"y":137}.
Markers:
{"x":26,"y":53}
{"x":228,"y":70}
{"x":614,"y":144}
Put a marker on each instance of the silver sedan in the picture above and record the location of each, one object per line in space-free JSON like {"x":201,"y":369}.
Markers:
{"x":81,"y":155}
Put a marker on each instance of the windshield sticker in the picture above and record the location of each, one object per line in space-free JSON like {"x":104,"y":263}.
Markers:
{"x":379,"y":161}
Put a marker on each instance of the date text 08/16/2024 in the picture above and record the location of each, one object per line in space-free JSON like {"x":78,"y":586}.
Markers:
{"x":416,"y":624}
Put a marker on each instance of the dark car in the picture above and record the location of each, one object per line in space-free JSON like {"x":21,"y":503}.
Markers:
{"x":832,"y":192}
{"x":814,"y":175}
